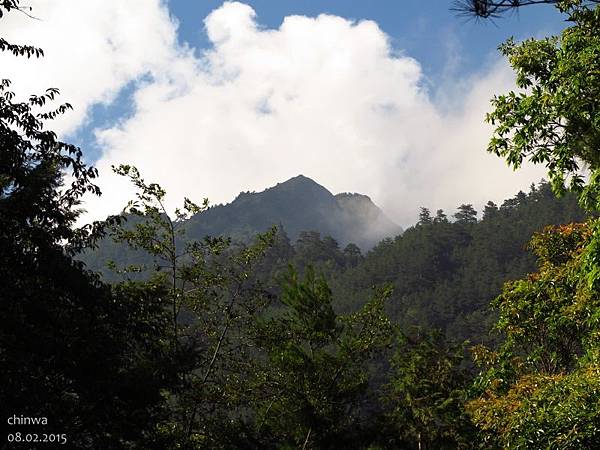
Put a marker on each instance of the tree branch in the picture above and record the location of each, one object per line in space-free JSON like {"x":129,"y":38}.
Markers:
{"x":485,"y":9}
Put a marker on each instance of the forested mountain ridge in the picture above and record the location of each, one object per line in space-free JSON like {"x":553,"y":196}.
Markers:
{"x":445,"y":274}
{"x":298,"y":204}
{"x":294,"y":206}
{"x":444,"y":271}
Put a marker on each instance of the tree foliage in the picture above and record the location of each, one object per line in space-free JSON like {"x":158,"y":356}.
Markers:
{"x":72,"y":349}
{"x":541,"y":388}
{"x":426,"y":393}
{"x":445,"y":273}
{"x":553,"y":119}
{"x":317,"y":379}
{"x":212,"y":302}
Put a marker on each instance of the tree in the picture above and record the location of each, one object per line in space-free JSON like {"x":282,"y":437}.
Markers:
{"x":277,"y":257}
{"x":73,"y":350}
{"x":427,"y":392}
{"x":324,"y":254}
{"x":466,"y":214}
{"x":554,"y":119}
{"x":490,"y":210}
{"x":425,"y":217}
{"x":353,"y":255}
{"x":541,"y":388}
{"x":440,"y":217}
{"x":315,"y":389}
{"x":213,"y":299}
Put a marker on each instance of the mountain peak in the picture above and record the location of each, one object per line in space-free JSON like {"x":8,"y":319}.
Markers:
{"x":298,"y":204}
{"x":299,"y":180}
{"x":301,"y":177}
{"x":301,"y":186}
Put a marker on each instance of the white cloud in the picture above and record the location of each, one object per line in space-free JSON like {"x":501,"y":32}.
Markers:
{"x":325,"y":97}
{"x":92,"y":49}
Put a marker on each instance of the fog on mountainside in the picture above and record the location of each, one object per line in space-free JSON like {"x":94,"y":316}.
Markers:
{"x":296,"y":205}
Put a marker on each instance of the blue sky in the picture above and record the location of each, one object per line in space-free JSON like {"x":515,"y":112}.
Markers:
{"x":386,"y":98}
{"x":422,"y":29}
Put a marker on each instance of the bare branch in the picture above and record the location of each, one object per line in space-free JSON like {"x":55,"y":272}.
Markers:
{"x":23,"y":10}
{"x":485,"y":9}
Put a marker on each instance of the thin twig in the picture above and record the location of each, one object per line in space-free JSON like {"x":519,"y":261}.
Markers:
{"x":307,"y":438}
{"x":27,"y":14}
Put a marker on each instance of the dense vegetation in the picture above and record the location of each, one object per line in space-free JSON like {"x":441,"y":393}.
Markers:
{"x":443,"y":271}
{"x":273,"y":345}
{"x":295,"y":206}
{"x":71,"y":348}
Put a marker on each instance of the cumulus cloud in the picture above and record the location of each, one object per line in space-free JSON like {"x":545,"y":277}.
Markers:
{"x":326,"y":97}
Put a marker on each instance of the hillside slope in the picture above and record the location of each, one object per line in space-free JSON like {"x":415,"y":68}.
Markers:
{"x":295,"y":206}
{"x":298,"y":204}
